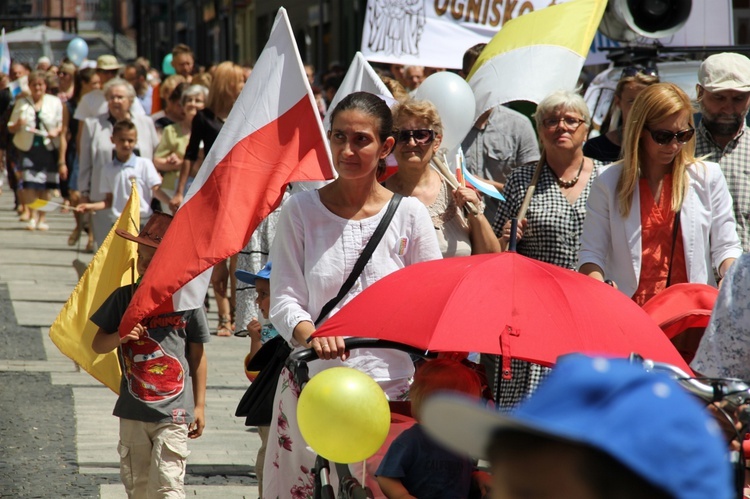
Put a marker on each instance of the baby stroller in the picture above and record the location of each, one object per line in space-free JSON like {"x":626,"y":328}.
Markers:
{"x":682,"y":311}
{"x":350,"y":487}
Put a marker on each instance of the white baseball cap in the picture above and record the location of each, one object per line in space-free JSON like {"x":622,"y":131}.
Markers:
{"x":725,"y":71}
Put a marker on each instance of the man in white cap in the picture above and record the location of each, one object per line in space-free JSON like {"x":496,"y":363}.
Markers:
{"x":723,"y":137}
{"x":43,"y":63}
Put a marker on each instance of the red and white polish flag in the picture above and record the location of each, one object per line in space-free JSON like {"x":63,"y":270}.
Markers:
{"x":273,"y":136}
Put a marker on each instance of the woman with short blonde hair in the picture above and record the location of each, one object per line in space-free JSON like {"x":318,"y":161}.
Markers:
{"x":549,"y":201}
{"x":550,"y":221}
{"x":461,"y":230}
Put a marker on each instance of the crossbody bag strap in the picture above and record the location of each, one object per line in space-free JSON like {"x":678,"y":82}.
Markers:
{"x":675,"y":228}
{"x":364,"y":257}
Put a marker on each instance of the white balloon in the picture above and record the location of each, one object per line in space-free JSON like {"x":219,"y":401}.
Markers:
{"x":77,"y":50}
{"x":455,"y":102}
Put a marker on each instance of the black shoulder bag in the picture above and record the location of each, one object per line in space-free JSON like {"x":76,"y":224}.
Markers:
{"x":675,"y":229}
{"x":256,"y":405}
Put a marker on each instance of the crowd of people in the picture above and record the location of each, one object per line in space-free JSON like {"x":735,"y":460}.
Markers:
{"x":653,"y":200}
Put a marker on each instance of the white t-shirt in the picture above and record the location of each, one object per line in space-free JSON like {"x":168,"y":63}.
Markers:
{"x":116,"y":177}
{"x":313,"y":254}
{"x":96,"y":149}
{"x":94,"y":104}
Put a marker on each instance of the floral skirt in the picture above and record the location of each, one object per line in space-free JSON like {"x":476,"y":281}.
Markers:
{"x":287,"y":471}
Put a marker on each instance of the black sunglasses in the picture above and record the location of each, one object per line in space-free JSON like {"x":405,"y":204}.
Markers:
{"x":631,"y":71}
{"x":421,"y":137}
{"x":664,"y":137}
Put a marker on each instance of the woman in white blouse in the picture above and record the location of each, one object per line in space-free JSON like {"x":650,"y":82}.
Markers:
{"x":320,"y":235}
{"x":660,"y":216}
{"x":36,"y":122}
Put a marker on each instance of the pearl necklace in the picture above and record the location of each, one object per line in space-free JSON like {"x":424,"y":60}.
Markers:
{"x":567,"y":184}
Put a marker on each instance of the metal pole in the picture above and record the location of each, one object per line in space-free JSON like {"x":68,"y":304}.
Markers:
{"x":232,"y":34}
{"x":114,"y":27}
{"x":320,"y":37}
{"x":170,"y":23}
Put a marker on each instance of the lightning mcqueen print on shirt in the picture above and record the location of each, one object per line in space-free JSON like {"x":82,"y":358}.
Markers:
{"x":148,"y":366}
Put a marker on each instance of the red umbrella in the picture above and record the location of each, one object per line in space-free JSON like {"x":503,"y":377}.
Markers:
{"x":504,"y":304}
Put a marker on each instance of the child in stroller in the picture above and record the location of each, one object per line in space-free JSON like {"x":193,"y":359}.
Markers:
{"x":450,"y":375}
{"x":417,"y":466}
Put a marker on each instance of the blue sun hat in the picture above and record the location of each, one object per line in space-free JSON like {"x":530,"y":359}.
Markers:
{"x":249,"y":277}
{"x":644,"y":420}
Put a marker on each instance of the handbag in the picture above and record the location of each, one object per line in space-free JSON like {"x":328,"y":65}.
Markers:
{"x":256,"y":405}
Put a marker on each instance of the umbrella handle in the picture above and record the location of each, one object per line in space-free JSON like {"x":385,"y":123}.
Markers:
{"x":513,"y":235}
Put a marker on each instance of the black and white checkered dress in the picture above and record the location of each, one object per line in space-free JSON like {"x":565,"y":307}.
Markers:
{"x":553,"y":235}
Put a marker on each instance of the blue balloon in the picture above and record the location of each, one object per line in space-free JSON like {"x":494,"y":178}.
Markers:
{"x":77,"y":50}
{"x":166,"y":65}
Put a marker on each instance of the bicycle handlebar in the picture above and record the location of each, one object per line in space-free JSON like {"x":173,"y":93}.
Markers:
{"x":353,"y":343}
{"x":734,"y":391}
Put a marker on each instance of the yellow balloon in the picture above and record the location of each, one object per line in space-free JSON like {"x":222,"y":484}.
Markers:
{"x":343,"y":415}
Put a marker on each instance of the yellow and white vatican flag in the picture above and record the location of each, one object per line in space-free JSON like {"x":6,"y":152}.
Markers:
{"x":536,"y":54}
{"x":44,"y":205}
{"x":114,"y":265}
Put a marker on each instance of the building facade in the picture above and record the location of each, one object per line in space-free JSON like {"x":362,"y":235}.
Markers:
{"x":327,"y":31}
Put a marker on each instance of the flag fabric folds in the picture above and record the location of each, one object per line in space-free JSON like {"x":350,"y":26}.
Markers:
{"x":272,"y":136}
{"x":4,"y":54}
{"x":114,"y":265}
{"x":18,"y":86}
{"x":536,"y":54}
{"x":360,"y":77}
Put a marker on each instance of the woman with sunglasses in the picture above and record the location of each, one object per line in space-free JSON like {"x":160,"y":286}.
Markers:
{"x":607,"y":147}
{"x":460,"y":232}
{"x":660,"y":216}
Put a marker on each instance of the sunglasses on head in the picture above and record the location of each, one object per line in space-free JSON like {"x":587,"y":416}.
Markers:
{"x":664,"y":137}
{"x":421,"y":137}
{"x":631,"y":71}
